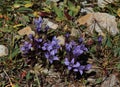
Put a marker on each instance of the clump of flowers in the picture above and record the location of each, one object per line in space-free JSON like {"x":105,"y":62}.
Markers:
{"x":51,"y":49}
{"x":74,"y":50}
{"x":47,"y":47}
{"x":77,"y":67}
{"x":33,"y":46}
{"x":39,"y":46}
{"x":26,"y":48}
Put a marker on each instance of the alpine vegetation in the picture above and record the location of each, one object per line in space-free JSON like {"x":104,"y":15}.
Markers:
{"x":46,"y":47}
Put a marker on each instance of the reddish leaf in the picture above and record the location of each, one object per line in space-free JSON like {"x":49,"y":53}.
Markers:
{"x":23,"y":74}
{"x":67,"y":15}
{"x":90,"y":41}
{"x":45,"y":14}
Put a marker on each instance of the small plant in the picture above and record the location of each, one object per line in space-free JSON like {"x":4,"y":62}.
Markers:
{"x":47,"y":49}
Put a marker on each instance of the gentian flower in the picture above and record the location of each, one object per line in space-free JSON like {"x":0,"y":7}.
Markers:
{"x":39,"y":40}
{"x":100,"y":39}
{"x":51,"y":48}
{"x":67,"y":35}
{"x":47,"y":46}
{"x":38,"y":20}
{"x":44,"y":47}
{"x":53,"y":52}
{"x":26,"y":47}
{"x":54,"y":43}
{"x":50,"y":57}
{"x":88,"y":66}
{"x":82,"y":47}
{"x":51,"y":45}
{"x":80,"y":40}
{"x":78,"y":50}
{"x":31,"y":37}
{"x":79,"y":69}
{"x":38,"y":23}
{"x":82,"y":68}
{"x":69,"y":46}
{"x":71,"y":64}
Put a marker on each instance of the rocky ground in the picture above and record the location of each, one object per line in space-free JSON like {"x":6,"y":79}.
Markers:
{"x":60,"y":43}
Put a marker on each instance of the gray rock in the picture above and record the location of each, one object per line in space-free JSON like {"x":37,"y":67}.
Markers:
{"x":111,"y":81}
{"x":3,"y":50}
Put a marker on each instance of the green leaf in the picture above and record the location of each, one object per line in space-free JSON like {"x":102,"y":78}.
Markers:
{"x":47,"y":2}
{"x":73,"y":9}
{"x":109,"y":43}
{"x":18,"y":25}
{"x":118,"y":66}
{"x":16,"y":85}
{"x":24,"y":9}
{"x":15,"y":53}
{"x":93,"y":49}
{"x":26,"y":18}
{"x":71,"y":13}
{"x":28,"y":4}
{"x":59,"y":12}
{"x":51,"y":31}
{"x":30,"y":15}
{"x":117,"y":51}
{"x":7,"y":30}
{"x":70,"y":4}
{"x":99,"y":80}
{"x":28,"y":76}
{"x":1,"y":34}
{"x":16,"y":5}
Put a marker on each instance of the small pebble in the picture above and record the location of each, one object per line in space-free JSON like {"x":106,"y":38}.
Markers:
{"x":3,"y":50}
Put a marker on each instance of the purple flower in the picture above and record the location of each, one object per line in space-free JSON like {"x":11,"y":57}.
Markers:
{"x":38,"y":20}
{"x":47,"y":46}
{"x":26,"y":47}
{"x":53,"y":52}
{"x":69,"y":46}
{"x":82,"y":68}
{"x":35,"y":40}
{"x":75,"y":49}
{"x":50,"y":57}
{"x":71,"y":64}
{"x":79,"y":69}
{"x":38,"y":23}
{"x":38,"y":40}
{"x":44,"y":47}
{"x":88,"y":66}
{"x":80,"y":39}
{"x":51,"y":49}
{"x":78,"y":50}
{"x":31,"y":37}
{"x":67,"y":35}
{"x":82,"y":47}
{"x":54,"y":43}
{"x":100,"y":39}
{"x":51,"y":45}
